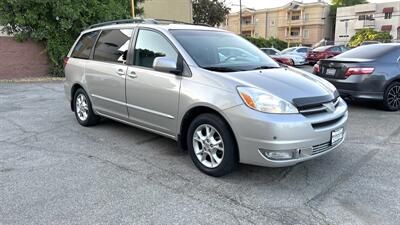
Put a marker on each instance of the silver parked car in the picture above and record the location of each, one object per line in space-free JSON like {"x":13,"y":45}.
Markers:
{"x":219,"y":96}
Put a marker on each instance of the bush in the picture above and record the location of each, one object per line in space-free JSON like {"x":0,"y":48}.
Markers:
{"x":267,"y":43}
{"x":57,"y":24}
{"x":369,"y":34}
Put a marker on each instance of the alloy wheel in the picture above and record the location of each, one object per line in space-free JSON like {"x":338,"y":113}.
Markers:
{"x":208,"y":146}
{"x":393,"y":97}
{"x":82,"y":107}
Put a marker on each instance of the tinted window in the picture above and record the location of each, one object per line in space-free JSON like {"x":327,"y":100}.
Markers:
{"x":84,"y":46}
{"x":222,"y":51}
{"x":150,"y":45}
{"x":335,"y":49}
{"x":112,"y":45}
{"x":302,"y":50}
{"x":368,"y":51}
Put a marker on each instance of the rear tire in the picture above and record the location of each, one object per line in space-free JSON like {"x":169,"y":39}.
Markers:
{"x":83,"y":109}
{"x":211,"y":145}
{"x":391,"y":98}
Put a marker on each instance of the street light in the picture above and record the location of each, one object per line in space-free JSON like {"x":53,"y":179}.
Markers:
{"x":240,"y":15}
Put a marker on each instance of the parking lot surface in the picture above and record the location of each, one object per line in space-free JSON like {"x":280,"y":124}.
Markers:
{"x":53,"y":171}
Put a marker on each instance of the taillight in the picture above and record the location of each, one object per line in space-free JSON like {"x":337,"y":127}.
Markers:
{"x":66,"y":58}
{"x":316,"y":69}
{"x":359,"y":71}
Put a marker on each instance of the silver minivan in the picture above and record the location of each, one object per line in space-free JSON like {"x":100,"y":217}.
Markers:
{"x":219,"y":96}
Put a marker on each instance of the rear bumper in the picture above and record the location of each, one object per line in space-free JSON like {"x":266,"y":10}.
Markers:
{"x":360,"y":87}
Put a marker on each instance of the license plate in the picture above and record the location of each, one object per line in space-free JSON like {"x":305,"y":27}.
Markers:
{"x":337,"y":136}
{"x":330,"y":72}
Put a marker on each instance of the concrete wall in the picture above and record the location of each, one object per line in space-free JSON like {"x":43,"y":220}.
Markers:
{"x":180,"y":10}
{"x":20,"y":60}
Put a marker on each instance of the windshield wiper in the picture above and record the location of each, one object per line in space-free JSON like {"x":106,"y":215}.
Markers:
{"x":265,"y":67}
{"x":220,"y":69}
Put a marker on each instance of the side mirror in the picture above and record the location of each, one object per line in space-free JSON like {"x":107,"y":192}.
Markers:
{"x":164,"y":64}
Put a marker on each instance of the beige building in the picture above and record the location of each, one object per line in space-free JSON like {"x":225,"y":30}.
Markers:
{"x":379,"y":16}
{"x":179,"y":10}
{"x":299,"y":23}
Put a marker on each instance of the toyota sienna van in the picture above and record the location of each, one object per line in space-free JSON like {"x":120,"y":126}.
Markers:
{"x":220,"y":97}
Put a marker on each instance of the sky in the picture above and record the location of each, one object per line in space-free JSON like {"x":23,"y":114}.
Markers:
{"x":262,"y":4}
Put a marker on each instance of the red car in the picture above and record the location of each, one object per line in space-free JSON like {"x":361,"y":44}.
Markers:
{"x":283,"y":60}
{"x":324,"y":52}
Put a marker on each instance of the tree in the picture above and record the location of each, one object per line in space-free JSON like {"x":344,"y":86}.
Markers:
{"x":211,"y":12}
{"x":57,"y":24}
{"x":267,"y":43}
{"x":369,"y":34}
{"x":341,"y":3}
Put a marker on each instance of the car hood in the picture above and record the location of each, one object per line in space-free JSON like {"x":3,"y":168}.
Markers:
{"x":286,"y":83}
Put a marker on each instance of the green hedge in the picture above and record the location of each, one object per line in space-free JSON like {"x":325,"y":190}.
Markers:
{"x":369,"y":34}
{"x":267,"y":43}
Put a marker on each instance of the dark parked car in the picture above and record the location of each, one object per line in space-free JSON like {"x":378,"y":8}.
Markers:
{"x":366,"y":72}
{"x":324,"y":52}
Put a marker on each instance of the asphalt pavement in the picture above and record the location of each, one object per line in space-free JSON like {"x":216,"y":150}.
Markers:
{"x":54,"y":171}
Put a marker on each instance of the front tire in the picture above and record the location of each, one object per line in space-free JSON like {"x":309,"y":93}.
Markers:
{"x":391,"y":100}
{"x":211,"y":145}
{"x":83,"y":109}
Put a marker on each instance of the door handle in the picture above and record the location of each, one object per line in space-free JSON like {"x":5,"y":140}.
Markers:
{"x":121,"y":72}
{"x":132,"y":75}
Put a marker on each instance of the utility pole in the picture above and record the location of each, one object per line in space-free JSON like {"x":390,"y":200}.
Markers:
{"x":240,"y":16}
{"x":133,"y":8}
{"x":290,"y":28}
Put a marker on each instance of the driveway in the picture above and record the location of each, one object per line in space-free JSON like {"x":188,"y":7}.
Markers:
{"x":53,"y":171}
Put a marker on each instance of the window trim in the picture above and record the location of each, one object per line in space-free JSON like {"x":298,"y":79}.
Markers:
{"x":179,"y":58}
{"x":98,"y":37}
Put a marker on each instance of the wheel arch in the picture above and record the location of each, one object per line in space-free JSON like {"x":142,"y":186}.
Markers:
{"x":191,"y":114}
{"x":74,"y":88}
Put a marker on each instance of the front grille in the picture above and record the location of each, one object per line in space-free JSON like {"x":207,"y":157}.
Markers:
{"x":321,"y":148}
{"x":318,"y":108}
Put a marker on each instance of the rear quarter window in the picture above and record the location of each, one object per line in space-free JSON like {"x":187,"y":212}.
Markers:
{"x":84,"y":46}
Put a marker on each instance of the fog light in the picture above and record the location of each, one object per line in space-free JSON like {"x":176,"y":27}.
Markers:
{"x":278,"y":155}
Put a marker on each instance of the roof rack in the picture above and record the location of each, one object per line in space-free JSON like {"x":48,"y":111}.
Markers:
{"x":143,"y":21}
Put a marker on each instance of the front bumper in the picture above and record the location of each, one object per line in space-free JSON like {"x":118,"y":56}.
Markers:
{"x":257,"y":132}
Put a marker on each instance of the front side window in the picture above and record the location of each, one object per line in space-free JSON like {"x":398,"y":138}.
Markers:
{"x":113,"y":45}
{"x":84,"y":46}
{"x":150,"y":45}
{"x":222,"y":51}
{"x":302,"y":50}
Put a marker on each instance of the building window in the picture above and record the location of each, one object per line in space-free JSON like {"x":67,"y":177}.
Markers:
{"x":272,"y":22}
{"x":294,"y":33}
{"x":295,"y":17}
{"x":388,"y":15}
{"x":306,"y":33}
{"x":366,"y":17}
{"x":306,"y":16}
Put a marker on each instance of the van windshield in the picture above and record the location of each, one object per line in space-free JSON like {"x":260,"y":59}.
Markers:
{"x":222,"y":51}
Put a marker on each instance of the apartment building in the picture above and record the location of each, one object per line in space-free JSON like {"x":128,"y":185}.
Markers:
{"x":179,"y":10}
{"x":379,"y":16}
{"x":297,"y":22}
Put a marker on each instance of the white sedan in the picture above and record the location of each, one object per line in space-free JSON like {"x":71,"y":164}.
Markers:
{"x":297,"y":59}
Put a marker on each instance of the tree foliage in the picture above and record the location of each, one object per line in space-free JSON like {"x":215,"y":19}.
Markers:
{"x":57,"y":24}
{"x":369,"y":34}
{"x":342,"y":3}
{"x":211,"y":12}
{"x":267,"y":43}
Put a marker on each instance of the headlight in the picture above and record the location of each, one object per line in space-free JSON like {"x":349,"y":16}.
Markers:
{"x":265,"y":102}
